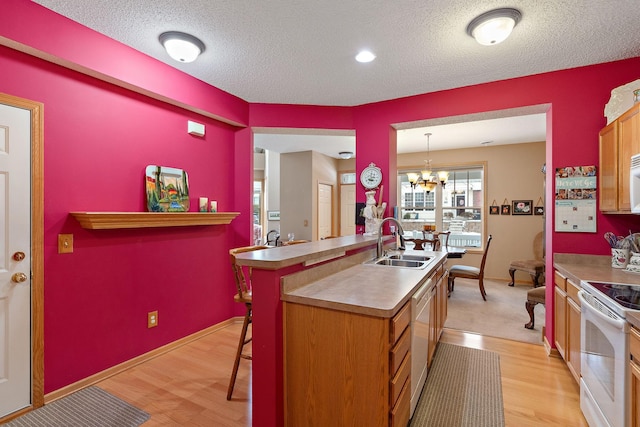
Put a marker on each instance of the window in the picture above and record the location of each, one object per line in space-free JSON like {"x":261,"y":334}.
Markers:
{"x":457,"y":207}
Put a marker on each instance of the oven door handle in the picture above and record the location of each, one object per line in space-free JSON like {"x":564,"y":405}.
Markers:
{"x":616,"y":321}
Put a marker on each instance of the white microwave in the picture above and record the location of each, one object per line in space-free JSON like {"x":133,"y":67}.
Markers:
{"x":634,"y":185}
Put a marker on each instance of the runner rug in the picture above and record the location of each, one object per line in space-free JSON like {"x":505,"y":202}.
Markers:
{"x":88,"y":407}
{"x":463,"y":389}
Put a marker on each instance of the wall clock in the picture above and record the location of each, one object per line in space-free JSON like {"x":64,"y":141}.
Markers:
{"x":371,"y":176}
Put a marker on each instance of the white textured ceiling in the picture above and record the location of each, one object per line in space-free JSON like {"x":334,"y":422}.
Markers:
{"x":302,"y":51}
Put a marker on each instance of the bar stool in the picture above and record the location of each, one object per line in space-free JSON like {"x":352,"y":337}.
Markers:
{"x":243,"y":287}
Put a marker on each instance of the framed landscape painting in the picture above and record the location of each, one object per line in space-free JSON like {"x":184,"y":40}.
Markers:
{"x":167,"y":189}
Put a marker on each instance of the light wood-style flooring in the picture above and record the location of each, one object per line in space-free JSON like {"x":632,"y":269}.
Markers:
{"x":188,"y":385}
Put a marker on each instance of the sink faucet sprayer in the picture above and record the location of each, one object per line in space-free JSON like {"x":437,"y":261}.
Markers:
{"x":399,"y":236}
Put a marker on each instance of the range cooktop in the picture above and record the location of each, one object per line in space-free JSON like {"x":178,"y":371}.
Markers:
{"x":619,"y":297}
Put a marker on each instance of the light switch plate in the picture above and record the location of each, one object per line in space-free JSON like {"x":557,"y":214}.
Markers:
{"x":65,"y":243}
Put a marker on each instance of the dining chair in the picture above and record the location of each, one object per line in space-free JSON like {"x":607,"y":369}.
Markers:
{"x":418,"y":244}
{"x":469,"y":272}
{"x":244,"y":296}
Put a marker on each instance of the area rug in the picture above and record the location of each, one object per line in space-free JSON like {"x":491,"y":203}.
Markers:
{"x":89,"y":407}
{"x":502,"y":315}
{"x":463,"y":389}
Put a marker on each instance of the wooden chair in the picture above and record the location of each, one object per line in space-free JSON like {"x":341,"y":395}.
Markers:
{"x":244,"y":296}
{"x":469,"y":272}
{"x":418,"y":244}
{"x":535,"y":267}
{"x":535,"y":296}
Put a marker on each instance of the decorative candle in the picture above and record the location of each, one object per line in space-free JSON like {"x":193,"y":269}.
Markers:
{"x":204,"y":201}
{"x":214,"y":206}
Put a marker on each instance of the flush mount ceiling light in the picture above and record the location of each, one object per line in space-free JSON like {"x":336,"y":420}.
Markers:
{"x":345,"y":155}
{"x":365,"y":56}
{"x":182,"y":47}
{"x":494,"y":26}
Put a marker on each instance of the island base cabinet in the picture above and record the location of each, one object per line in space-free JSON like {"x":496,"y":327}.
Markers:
{"x":343,"y":368}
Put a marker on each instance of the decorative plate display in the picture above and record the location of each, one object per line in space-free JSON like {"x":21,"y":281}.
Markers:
{"x":167,"y":189}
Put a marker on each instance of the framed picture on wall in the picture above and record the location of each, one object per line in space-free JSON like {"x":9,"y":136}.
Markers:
{"x":538,"y":210}
{"x":505,"y":210}
{"x":522,"y":207}
{"x":494,"y":210}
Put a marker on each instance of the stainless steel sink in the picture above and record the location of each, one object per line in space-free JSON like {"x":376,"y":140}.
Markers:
{"x":406,"y":261}
{"x":401,"y":263}
{"x":410,"y":257}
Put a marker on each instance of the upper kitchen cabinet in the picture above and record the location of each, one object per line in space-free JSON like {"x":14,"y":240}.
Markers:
{"x":619,"y":140}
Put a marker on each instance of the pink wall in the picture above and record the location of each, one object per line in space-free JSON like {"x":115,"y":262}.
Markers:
{"x":99,"y":137}
{"x":98,"y":141}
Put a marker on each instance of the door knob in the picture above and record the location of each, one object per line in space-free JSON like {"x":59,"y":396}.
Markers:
{"x":19,"y":277}
{"x":18,"y":256}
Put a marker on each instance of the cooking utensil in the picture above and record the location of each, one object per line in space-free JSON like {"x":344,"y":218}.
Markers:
{"x":611,"y":239}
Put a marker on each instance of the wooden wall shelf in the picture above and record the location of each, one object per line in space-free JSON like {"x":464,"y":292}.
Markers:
{"x":114,"y":220}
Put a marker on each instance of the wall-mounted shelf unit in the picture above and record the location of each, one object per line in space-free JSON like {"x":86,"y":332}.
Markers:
{"x":114,"y":220}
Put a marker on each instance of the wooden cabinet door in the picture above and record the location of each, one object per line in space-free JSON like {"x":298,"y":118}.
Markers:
{"x":608,"y":174}
{"x":634,"y":407}
{"x":573,"y":338}
{"x":628,"y":145}
{"x":560,"y":321}
{"x":433,"y":327}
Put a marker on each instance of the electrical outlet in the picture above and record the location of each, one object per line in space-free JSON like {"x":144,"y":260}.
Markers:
{"x":65,"y":243}
{"x":152,"y":319}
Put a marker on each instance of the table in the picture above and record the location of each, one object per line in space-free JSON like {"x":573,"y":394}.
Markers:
{"x":465,"y":238}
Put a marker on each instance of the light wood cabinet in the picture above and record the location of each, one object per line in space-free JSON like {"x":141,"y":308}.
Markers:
{"x":344,"y":368}
{"x":619,"y":140}
{"x":560,"y":313}
{"x":567,"y":322}
{"x":634,"y":380}
{"x":443,"y":301}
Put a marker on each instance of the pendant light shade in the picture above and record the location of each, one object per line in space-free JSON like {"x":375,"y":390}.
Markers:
{"x":182,"y":47}
{"x":495,"y":26}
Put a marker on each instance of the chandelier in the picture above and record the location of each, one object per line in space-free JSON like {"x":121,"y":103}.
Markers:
{"x":428,"y":182}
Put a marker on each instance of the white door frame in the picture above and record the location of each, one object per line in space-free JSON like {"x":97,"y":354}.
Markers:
{"x":37,"y":249}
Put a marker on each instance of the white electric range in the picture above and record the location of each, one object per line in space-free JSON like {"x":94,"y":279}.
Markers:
{"x":604,"y":348}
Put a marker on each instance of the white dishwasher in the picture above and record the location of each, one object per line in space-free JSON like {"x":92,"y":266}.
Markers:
{"x":420,"y":317}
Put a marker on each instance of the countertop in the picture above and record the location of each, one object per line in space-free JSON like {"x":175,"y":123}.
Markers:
{"x":311,"y":252}
{"x":344,"y":283}
{"x":592,"y":267}
{"x":369,"y":289}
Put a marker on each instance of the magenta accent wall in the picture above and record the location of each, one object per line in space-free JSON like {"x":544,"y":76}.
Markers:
{"x":50,"y":35}
{"x":99,"y":137}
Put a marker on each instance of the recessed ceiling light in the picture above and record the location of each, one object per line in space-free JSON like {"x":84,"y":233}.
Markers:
{"x":365,"y":56}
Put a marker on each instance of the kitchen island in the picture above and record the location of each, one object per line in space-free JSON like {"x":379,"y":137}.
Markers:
{"x":327,"y":277}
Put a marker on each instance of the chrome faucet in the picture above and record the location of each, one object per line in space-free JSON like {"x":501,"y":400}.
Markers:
{"x":399,"y":236}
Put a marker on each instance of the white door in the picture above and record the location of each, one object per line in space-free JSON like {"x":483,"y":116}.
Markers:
{"x":15,"y":259}
{"x":347,"y":210}
{"x":324,"y":210}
